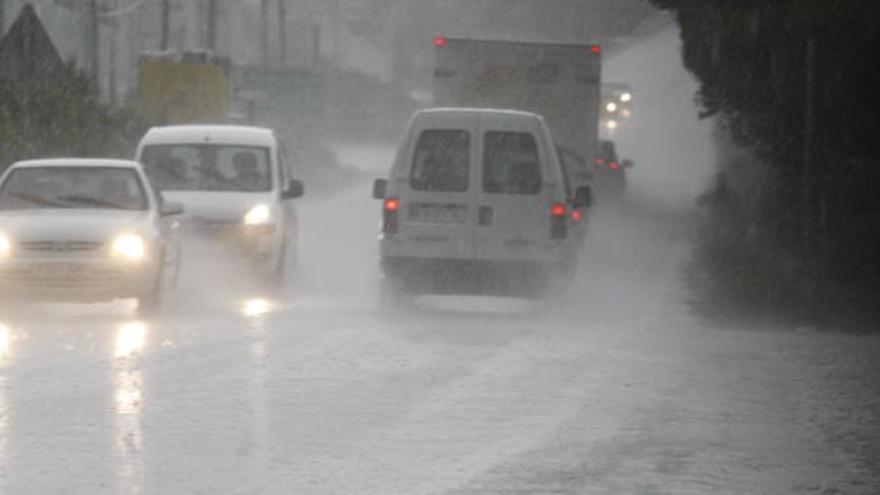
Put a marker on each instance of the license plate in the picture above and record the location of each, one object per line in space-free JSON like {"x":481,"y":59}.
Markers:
{"x":59,"y":270}
{"x":438,"y":213}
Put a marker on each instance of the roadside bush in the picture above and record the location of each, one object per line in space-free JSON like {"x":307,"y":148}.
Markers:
{"x":60,"y":115}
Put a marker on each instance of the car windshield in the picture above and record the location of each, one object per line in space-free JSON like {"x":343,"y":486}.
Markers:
{"x":607,"y":151}
{"x":72,"y":188}
{"x":208,"y":167}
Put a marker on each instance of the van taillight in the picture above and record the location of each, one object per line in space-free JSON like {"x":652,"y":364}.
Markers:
{"x":557,"y":210}
{"x":558,"y":221}
{"x":389,"y":215}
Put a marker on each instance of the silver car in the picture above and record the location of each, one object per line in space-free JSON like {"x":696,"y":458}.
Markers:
{"x":84,"y":230}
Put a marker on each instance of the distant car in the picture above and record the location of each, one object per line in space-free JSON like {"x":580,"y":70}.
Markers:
{"x":84,"y":230}
{"x":476,"y":202}
{"x":578,"y":173}
{"x":609,"y":173}
{"x":235,"y":183}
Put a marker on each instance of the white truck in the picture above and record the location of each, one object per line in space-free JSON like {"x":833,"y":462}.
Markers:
{"x":560,"y":82}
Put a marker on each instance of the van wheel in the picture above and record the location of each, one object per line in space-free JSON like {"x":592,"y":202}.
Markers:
{"x":393,"y":294}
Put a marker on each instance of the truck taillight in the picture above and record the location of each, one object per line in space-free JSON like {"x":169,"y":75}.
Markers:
{"x":558,"y":221}
{"x":597,"y":49}
{"x":440,"y":41}
{"x":389,"y":215}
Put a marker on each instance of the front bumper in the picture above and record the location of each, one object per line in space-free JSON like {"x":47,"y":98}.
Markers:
{"x":259,"y":243}
{"x":76,"y":280}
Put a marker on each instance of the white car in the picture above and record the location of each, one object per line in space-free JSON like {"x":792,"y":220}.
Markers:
{"x":84,"y":230}
{"x":477,"y":201}
{"x":235,"y":183}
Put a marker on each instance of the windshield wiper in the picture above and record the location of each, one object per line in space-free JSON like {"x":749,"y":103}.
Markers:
{"x":38,"y":200}
{"x":88,"y":200}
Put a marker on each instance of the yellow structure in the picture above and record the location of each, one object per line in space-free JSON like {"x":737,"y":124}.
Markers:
{"x":180,"y":92}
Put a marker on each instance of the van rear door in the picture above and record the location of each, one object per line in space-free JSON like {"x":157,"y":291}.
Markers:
{"x":513,"y":197}
{"x":436,"y":203}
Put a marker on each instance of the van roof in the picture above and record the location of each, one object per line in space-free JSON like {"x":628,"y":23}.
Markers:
{"x":76,"y":162}
{"x":232,"y":134}
{"x":476,"y":111}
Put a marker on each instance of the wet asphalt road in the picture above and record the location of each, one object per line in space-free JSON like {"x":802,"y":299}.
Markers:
{"x":613,"y":387}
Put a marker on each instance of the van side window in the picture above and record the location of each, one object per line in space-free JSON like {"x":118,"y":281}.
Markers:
{"x":441,"y":161}
{"x":510,"y":163}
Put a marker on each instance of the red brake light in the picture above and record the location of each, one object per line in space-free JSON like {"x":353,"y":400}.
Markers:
{"x":392,"y":204}
{"x":600,"y":161}
{"x":440,"y":41}
{"x":557,"y":210}
{"x":614,"y":165}
{"x":576,"y":215}
{"x":597,"y":49}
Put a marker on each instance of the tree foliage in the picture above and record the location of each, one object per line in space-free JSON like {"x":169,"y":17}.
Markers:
{"x":769,"y":71}
{"x":59,"y":115}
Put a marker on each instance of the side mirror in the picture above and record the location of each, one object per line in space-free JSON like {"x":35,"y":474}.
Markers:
{"x":379,"y":188}
{"x":627,"y":163}
{"x":583,"y":197}
{"x":171,"y":208}
{"x":294,"y":190}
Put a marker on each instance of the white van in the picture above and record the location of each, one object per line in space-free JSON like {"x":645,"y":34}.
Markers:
{"x":476,"y":202}
{"x":235,"y":184}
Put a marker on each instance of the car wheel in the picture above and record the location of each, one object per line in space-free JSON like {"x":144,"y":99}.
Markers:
{"x":281,"y":262}
{"x":150,"y":302}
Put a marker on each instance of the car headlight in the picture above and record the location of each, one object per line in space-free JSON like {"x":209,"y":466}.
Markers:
{"x":258,"y":215}
{"x":130,"y":247}
{"x":5,"y":246}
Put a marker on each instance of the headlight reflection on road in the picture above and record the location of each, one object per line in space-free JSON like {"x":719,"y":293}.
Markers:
{"x":5,"y":341}
{"x":128,"y":392}
{"x":256,"y":307}
{"x":5,"y":246}
{"x":130,"y":339}
{"x":129,"y":401}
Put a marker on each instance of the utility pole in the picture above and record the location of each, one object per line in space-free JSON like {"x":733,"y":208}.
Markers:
{"x":212,"y":26}
{"x":264,"y":32}
{"x":114,"y":41}
{"x":809,"y":136}
{"x":94,"y":40}
{"x":166,"y":25}
{"x":282,"y":31}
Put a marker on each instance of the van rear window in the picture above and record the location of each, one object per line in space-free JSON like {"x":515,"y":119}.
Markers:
{"x":441,"y":161}
{"x":510,"y":163}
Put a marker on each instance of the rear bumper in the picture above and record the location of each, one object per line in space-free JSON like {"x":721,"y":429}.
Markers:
{"x":458,"y":276}
{"x":76,"y":281}
{"x":466,"y":250}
